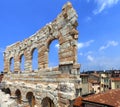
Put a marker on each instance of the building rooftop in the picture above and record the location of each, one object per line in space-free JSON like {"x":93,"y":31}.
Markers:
{"x":93,"y":81}
{"x":111,"y":97}
{"x":95,"y":74}
{"x":115,"y":79}
{"x":78,"y":102}
{"x":84,"y":75}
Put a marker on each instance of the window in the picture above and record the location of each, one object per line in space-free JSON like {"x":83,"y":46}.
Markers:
{"x":53,"y":53}
{"x":12,"y":64}
{"x":35,"y":59}
{"x":117,"y":86}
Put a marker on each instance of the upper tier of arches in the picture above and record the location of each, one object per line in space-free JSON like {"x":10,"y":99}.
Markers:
{"x":63,"y":28}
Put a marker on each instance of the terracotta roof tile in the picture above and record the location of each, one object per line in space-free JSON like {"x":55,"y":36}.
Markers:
{"x":82,"y":75}
{"x":111,"y":97}
{"x":78,"y":102}
{"x":95,"y":74}
{"x":115,"y":79}
{"x":93,"y":81}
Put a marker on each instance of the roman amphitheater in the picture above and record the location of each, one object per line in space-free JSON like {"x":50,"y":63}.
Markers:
{"x":45,"y":87}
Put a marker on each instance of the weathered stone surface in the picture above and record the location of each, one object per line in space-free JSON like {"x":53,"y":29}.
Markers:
{"x":57,"y":84}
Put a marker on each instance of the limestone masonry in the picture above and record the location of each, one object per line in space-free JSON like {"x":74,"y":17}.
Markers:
{"x":51,"y":87}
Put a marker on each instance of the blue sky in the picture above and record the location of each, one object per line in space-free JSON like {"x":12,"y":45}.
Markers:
{"x":99,"y":28}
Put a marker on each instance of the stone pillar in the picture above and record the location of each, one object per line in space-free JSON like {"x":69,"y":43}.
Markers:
{"x":66,"y":53}
{"x":46,"y":59}
{"x":43,"y":58}
{"x":17,"y":64}
{"x":38,"y":104}
{"x":28,"y":62}
{"x":74,"y":34}
{"x":13,"y":93}
{"x":6,"y":65}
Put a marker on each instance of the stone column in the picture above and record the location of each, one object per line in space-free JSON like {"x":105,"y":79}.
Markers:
{"x":28,"y":62}
{"x":6,"y":65}
{"x":43,"y":58}
{"x":17,"y":64}
{"x":74,"y":34}
{"x":46,"y":59}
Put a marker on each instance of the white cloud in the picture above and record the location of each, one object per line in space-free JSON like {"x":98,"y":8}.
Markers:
{"x":57,"y":45}
{"x":88,"y":1}
{"x":85,"y":44}
{"x":103,"y":4}
{"x":90,"y":58}
{"x":2,"y":50}
{"x":110,"y":43}
{"x":102,"y":63}
{"x":88,"y":19}
{"x":80,"y":45}
{"x":81,"y":54}
{"x":86,"y":53}
{"x":89,"y":52}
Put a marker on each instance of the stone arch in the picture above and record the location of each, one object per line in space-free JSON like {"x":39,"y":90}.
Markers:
{"x":18,"y":95}
{"x":32,"y":48}
{"x":53,"y":49}
{"x":51,"y":38}
{"x":28,"y":90}
{"x":47,"y":102}
{"x":31,"y":99}
{"x":8,"y":91}
{"x":62,"y":28}
{"x":21,"y":62}
{"x":51,"y":98}
{"x":33,"y":51}
{"x":11,"y":64}
{"x":3,"y":89}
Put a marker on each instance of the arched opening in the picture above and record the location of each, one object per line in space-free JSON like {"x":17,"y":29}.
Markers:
{"x":7,"y":91}
{"x":12,"y":64}
{"x":22,"y":63}
{"x":47,"y":102}
{"x":53,"y":53}
{"x":31,"y":99}
{"x":18,"y":95}
{"x":34,"y":59}
{"x":3,"y":90}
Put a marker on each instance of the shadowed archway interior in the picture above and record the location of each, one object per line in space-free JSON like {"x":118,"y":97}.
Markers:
{"x":12,"y":64}
{"x":47,"y":102}
{"x":18,"y":95}
{"x":31,"y":99}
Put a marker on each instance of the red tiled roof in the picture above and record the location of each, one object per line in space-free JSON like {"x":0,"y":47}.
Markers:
{"x":115,"y":79}
{"x":84,"y":75}
{"x":111,"y":97}
{"x":95,"y":74}
{"x":93,"y":81}
{"x":78,"y":102}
